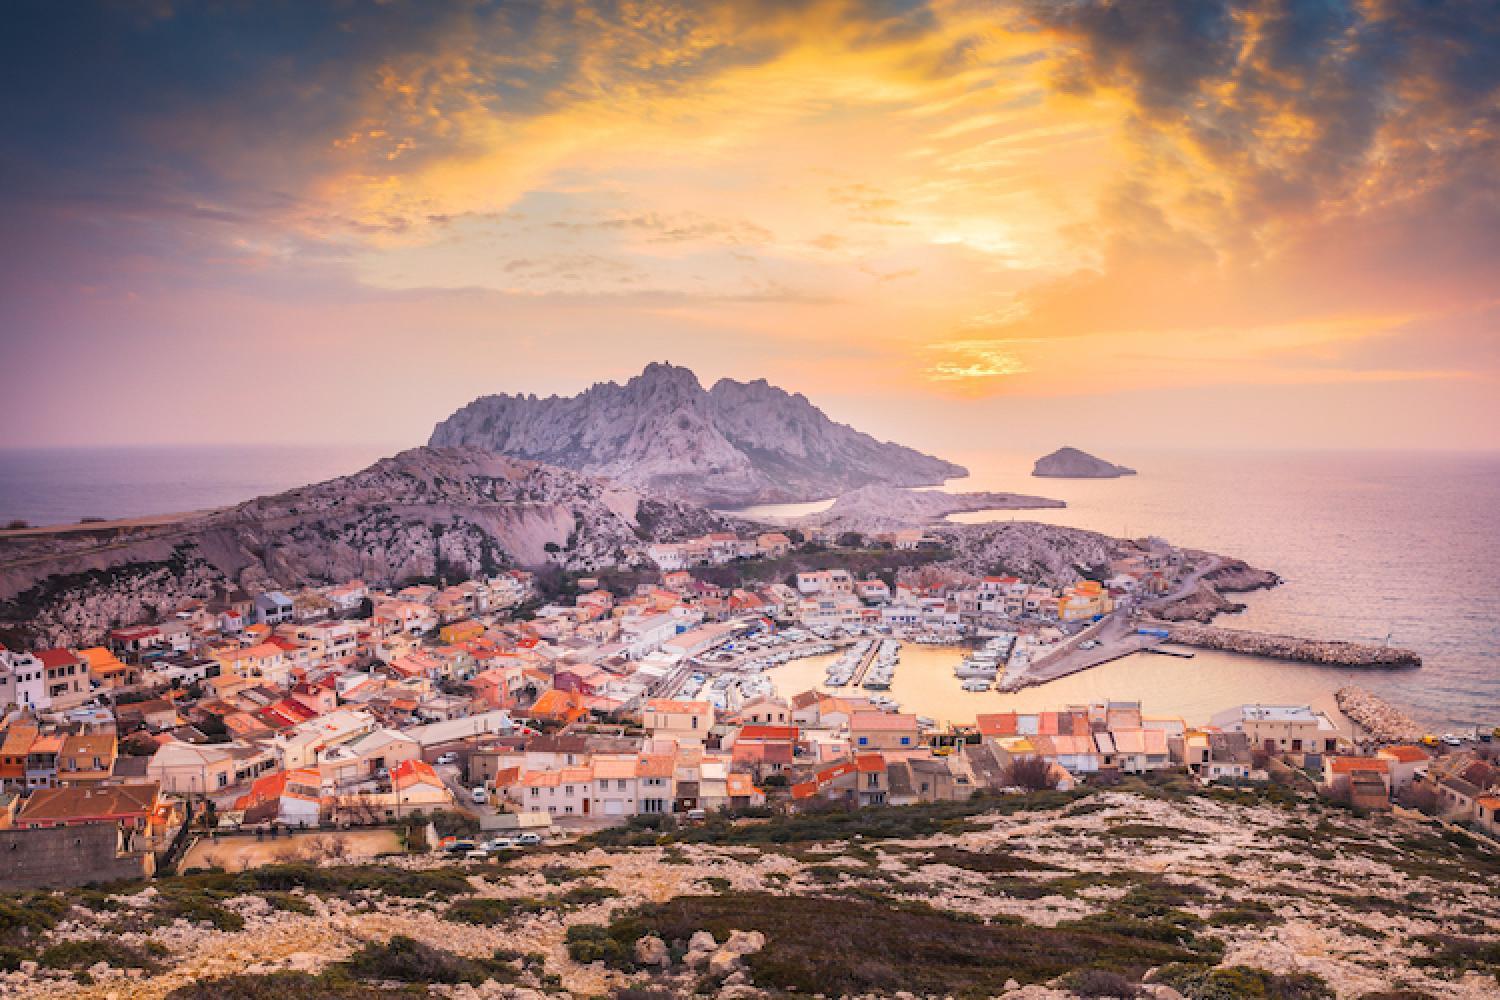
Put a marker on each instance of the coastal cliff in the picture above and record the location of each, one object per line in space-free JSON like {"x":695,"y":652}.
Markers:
{"x":661,"y":432}
{"x":424,"y":514}
{"x":1070,"y":463}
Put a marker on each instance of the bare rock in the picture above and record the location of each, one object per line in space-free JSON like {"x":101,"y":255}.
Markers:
{"x":652,"y":950}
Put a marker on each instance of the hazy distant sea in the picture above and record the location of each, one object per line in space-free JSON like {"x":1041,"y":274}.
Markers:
{"x":1370,"y":544}
{"x":46,"y":486}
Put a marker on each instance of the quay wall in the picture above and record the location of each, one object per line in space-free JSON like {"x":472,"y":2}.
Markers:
{"x":1330,"y":652}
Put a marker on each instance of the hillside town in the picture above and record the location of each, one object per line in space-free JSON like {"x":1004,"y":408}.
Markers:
{"x":353,"y":706}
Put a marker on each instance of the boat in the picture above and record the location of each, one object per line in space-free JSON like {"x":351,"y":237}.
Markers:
{"x":976,"y":684}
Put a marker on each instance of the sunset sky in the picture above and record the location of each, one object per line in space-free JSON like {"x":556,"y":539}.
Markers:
{"x":1144,"y":223}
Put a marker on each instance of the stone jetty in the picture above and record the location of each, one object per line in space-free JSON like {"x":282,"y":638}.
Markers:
{"x":1379,"y":718}
{"x":1331,"y":652}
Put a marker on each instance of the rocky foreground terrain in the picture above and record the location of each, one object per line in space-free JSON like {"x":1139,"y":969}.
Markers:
{"x":422,"y":514}
{"x":737,"y":443}
{"x":1152,"y":889}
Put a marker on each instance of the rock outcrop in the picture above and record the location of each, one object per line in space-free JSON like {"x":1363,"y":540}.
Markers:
{"x":662,"y":432}
{"x":1070,"y":463}
{"x":885,"y":508}
{"x":423,"y":514}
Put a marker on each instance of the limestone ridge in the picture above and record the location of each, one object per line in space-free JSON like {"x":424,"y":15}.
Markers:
{"x":427,"y":513}
{"x":662,"y":432}
{"x":1070,"y":463}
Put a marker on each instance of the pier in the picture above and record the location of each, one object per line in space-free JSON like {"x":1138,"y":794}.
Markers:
{"x":1329,"y":652}
{"x":864,"y":665}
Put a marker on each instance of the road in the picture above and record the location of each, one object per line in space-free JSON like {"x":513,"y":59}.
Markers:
{"x":1115,"y":635}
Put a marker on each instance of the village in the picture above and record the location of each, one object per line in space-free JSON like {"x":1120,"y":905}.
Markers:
{"x":524,"y":716}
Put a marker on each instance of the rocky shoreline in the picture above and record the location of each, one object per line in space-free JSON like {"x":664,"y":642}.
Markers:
{"x":1328,"y":652}
{"x":1384,"y":722}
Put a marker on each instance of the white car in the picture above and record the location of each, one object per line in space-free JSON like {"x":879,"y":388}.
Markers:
{"x":529,"y":839}
{"x":498,"y":844}
{"x":479,"y":796}
{"x":447,"y":758}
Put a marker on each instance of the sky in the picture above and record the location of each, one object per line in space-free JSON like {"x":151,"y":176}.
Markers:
{"x":1153,"y":223}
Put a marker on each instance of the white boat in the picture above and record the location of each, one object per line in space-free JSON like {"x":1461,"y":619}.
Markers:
{"x":976,"y":684}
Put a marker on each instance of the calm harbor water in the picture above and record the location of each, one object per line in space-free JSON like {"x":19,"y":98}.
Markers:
{"x":1371,"y":544}
{"x":1193,"y":689}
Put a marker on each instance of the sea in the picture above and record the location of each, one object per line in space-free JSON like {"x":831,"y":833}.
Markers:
{"x":1372,"y":546}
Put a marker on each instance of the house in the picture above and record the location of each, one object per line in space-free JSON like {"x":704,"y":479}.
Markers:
{"x":764,"y":748}
{"x":685,"y":721}
{"x":86,"y":759}
{"x":14,"y":749}
{"x":106,"y":670}
{"x":273,"y":608}
{"x":1365,"y":781}
{"x":67,"y":677}
{"x":766,"y":710}
{"x":1404,"y":763}
{"x":203,"y":769}
{"x":23,"y":681}
{"x":1487,"y":814}
{"x":559,"y":706}
{"x":138,"y":810}
{"x":290,"y":798}
{"x":772,"y":544}
{"x":1282,"y":728}
{"x":883,"y":731}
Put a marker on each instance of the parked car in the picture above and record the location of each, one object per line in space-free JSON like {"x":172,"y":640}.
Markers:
{"x":459,"y":846}
{"x":479,"y":796}
{"x":476,"y":855}
{"x":529,"y":839}
{"x":497,"y":844}
{"x":447,"y":758}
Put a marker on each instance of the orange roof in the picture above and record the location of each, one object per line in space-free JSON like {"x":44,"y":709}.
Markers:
{"x":758,"y":732}
{"x":1491,"y":802}
{"x":653,"y":766}
{"x":1405,"y":754}
{"x":869,"y":763}
{"x":1347,"y":765}
{"x":997,"y":724}
{"x":414,"y":772}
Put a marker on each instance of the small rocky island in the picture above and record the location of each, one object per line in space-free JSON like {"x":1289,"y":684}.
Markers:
{"x":1070,"y":463}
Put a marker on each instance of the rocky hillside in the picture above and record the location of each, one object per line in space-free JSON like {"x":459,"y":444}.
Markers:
{"x":1157,"y":889}
{"x":737,"y":443}
{"x":1070,"y":463}
{"x":423,"y":514}
{"x":888,"y":508}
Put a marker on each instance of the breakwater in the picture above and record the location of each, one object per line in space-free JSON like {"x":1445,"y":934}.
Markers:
{"x":1329,"y":652}
{"x":1379,"y":718}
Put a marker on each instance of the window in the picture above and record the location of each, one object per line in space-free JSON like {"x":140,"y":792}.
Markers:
{"x":536,"y":793}
{"x":864,"y":741}
{"x":906,"y":741}
{"x":620,"y":784}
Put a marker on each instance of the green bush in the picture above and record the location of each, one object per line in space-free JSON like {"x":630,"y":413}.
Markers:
{"x":1099,"y":983}
{"x":84,"y":953}
{"x":407,"y":960}
{"x":1240,"y":982}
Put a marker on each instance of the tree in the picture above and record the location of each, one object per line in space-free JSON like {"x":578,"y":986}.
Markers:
{"x":1031,"y":773}
{"x":851,"y":540}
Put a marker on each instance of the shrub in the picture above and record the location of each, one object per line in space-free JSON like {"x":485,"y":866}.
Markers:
{"x":1099,"y":983}
{"x":489,"y":912}
{"x":1239,"y":982}
{"x":407,"y":960}
{"x":278,"y":986}
{"x":853,"y":946}
{"x":84,"y":953}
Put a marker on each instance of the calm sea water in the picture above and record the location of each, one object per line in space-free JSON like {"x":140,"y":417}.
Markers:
{"x":1370,"y":544}
{"x":45,"y":486}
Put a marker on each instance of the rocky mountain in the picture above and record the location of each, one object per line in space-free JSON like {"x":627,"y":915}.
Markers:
{"x":422,"y":514}
{"x":662,"y":432}
{"x":1070,"y":463}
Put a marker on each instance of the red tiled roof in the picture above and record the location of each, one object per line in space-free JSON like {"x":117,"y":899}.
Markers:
{"x":762,"y":732}
{"x":56,"y":657}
